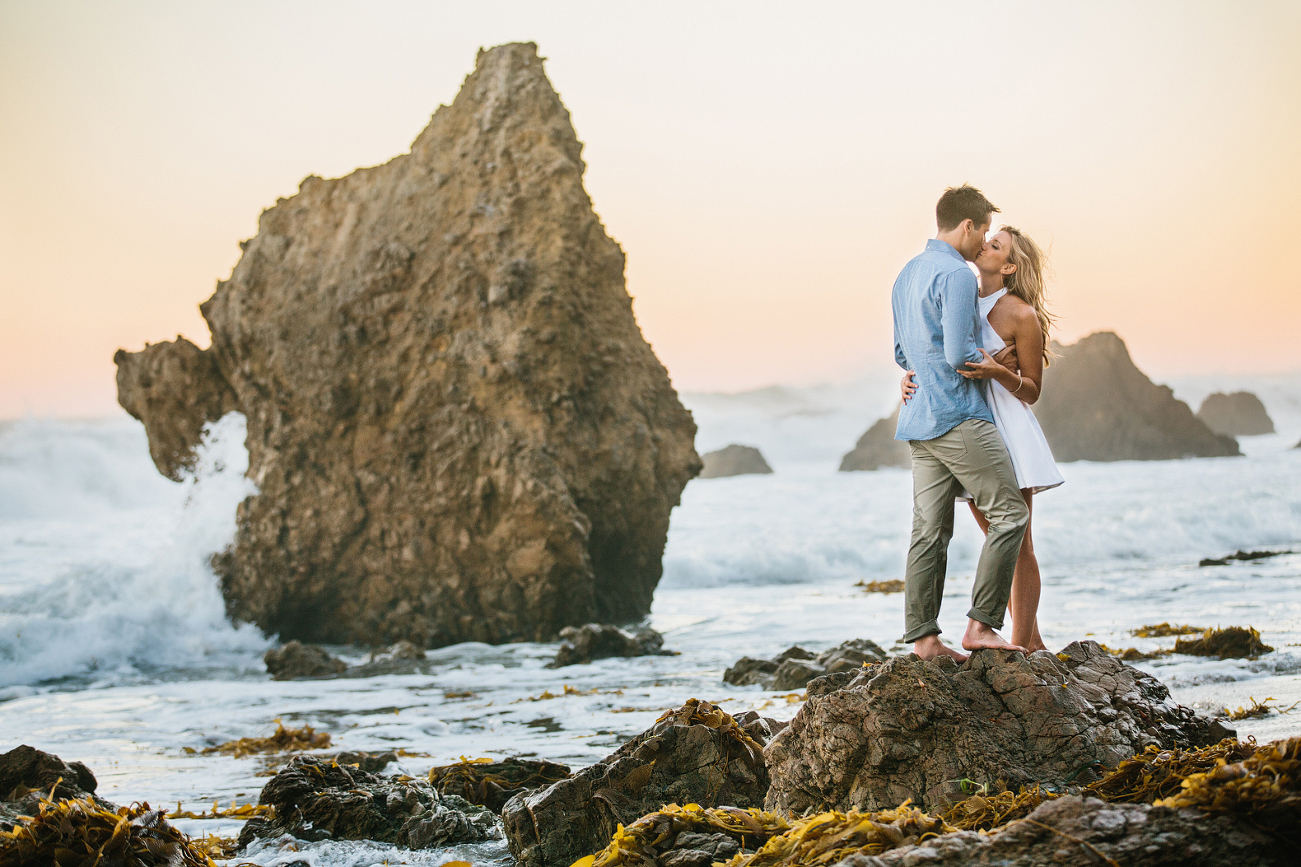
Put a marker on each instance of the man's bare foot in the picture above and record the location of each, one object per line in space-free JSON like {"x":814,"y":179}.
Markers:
{"x":1032,"y":647}
{"x":980,"y":636}
{"x":930,"y":646}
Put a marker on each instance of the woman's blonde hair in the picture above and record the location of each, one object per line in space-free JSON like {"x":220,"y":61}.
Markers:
{"x":1027,"y":281}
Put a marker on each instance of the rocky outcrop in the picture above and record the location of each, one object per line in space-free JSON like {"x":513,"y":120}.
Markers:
{"x":582,"y":644}
{"x":795,"y":667}
{"x":697,"y":754}
{"x":316,"y":799}
{"x":1240,"y":414}
{"x":456,"y":428}
{"x":27,"y":775}
{"x":1097,"y":406}
{"x":914,"y":729}
{"x":174,"y":388}
{"x":878,"y":448}
{"x":734,"y":460}
{"x":1076,"y":830}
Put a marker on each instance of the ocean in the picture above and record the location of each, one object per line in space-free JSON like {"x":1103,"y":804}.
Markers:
{"x":115,"y":651}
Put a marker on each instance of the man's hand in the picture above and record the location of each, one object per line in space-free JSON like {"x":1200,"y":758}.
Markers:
{"x":1007,"y":357}
{"x":907,"y":386}
{"x":986,"y":368}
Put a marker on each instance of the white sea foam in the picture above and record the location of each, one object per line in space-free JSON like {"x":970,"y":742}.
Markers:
{"x":105,"y":563}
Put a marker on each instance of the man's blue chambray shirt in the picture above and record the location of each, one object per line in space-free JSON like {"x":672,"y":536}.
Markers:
{"x":936,"y":332}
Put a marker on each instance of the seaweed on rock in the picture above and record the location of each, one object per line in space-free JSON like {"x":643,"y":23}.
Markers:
{"x":1263,"y":787}
{"x":1156,"y":773}
{"x":491,"y":784}
{"x":1232,"y":642}
{"x":80,"y":831}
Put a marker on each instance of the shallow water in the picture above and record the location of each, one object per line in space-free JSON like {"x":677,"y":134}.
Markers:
{"x":114,"y":649}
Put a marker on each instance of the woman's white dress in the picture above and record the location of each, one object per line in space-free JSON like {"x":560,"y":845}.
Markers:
{"x":1031,"y":457}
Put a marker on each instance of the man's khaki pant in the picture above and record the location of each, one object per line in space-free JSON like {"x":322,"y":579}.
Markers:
{"x":971,"y":456}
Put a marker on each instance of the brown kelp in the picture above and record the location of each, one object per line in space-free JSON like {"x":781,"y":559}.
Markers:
{"x":75,"y":832}
{"x":894,"y":585}
{"x":651,"y":835}
{"x":282,"y":741}
{"x":492,"y":783}
{"x":1263,"y":788}
{"x":1165,"y":630}
{"x":831,"y":837}
{"x":1156,"y":773}
{"x":697,"y":712}
{"x":984,"y":812}
{"x":1131,"y":654}
{"x":1232,"y":642}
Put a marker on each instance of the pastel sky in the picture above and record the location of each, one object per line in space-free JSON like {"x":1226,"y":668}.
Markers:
{"x":767,"y":167}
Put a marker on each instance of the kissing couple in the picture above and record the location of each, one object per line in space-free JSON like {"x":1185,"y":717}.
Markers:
{"x":967,"y":421}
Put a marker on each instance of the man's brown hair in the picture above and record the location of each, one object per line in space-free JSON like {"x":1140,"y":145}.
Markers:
{"x":962,"y":203}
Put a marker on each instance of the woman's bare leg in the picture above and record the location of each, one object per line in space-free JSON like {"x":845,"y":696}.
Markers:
{"x":1024,"y":601}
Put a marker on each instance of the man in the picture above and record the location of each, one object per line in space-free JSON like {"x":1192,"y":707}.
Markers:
{"x":951,"y":433}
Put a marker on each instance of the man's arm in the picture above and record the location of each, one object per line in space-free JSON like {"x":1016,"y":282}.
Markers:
{"x":957,"y":293}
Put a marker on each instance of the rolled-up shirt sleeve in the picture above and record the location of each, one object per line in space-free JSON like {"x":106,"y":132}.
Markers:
{"x":957,"y":299}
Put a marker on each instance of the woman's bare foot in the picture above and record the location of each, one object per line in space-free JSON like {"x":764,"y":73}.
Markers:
{"x":980,"y":636}
{"x":930,"y":646}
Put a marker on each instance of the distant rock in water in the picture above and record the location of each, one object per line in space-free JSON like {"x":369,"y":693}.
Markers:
{"x":878,"y":448}
{"x":734,"y":460}
{"x":1240,"y":414}
{"x":456,"y":428}
{"x":582,"y":644}
{"x":297,"y":660}
{"x":1097,"y":406}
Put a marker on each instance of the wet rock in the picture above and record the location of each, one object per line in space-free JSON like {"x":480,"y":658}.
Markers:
{"x":492,"y":784}
{"x":456,"y":428}
{"x":582,"y":644}
{"x":402,"y":658}
{"x":1241,"y":556}
{"x":697,"y":754}
{"x":1097,"y":406}
{"x":297,"y":660}
{"x":795,"y":667}
{"x":27,"y":775}
{"x":734,"y":460}
{"x":914,"y":729}
{"x":1240,"y":414}
{"x":1076,"y":830}
{"x":371,"y":763}
{"x":316,"y":799}
{"x":878,"y":448}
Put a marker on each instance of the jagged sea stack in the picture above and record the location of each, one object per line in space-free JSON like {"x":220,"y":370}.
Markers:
{"x":1098,"y":406}
{"x":455,"y":425}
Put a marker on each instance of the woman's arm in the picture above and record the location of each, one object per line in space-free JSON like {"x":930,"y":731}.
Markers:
{"x":1029,"y":343}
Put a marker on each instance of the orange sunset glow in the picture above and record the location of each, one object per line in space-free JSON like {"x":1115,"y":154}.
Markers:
{"x":767,"y":167}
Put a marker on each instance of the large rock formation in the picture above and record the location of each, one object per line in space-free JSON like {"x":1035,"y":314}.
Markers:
{"x":878,"y":448}
{"x":913,"y":729}
{"x":1097,"y":406}
{"x":697,"y":754}
{"x":456,"y":428}
{"x":1240,"y":414}
{"x":734,"y":460}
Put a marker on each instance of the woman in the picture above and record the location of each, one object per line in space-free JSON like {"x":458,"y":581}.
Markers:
{"x":1014,"y":326}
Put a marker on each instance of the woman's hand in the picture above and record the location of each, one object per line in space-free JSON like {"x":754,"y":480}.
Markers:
{"x":986,"y":368}
{"x":907,"y":386}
